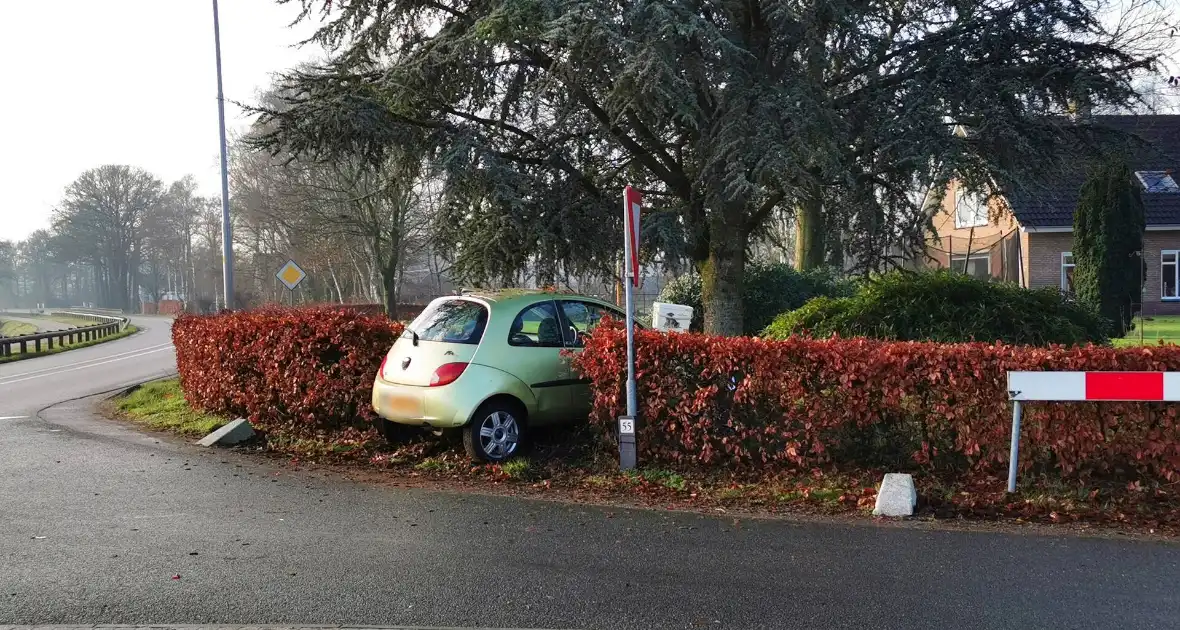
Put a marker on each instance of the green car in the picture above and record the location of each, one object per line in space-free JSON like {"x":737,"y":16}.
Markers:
{"x":491,"y":364}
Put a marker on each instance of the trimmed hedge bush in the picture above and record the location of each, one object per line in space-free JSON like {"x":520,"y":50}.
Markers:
{"x":947,"y":307}
{"x":305,"y":371}
{"x":763,"y":406}
{"x":769,"y":289}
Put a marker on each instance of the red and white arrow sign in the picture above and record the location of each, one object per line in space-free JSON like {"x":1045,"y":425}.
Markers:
{"x":632,"y":205}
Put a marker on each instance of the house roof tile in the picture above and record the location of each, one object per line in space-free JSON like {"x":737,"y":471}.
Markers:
{"x":1155,"y":146}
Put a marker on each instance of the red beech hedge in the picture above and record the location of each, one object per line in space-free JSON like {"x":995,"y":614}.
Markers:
{"x":762,"y":406}
{"x":306,"y":371}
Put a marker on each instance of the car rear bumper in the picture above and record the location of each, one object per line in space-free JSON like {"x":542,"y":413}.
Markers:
{"x":451,"y":405}
{"x":420,"y":406}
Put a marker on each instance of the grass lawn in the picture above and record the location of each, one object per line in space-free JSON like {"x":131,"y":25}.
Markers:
{"x":1164,"y":328}
{"x":16,"y":329}
{"x":160,"y":405}
{"x":17,"y":355}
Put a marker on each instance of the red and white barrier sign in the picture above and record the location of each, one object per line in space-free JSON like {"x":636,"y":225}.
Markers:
{"x":1081,"y":386}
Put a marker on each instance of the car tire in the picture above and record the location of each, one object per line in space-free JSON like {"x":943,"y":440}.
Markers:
{"x":496,"y":432}
{"x":395,"y":433}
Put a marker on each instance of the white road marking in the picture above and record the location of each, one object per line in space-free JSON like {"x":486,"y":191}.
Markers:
{"x":12,"y":381}
{"x":13,"y":417}
{"x":101,"y":359}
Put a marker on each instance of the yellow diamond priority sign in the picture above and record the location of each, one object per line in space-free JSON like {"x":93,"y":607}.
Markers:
{"x":291,"y":275}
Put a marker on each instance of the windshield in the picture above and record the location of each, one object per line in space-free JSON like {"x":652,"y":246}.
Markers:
{"x":450,"y":321}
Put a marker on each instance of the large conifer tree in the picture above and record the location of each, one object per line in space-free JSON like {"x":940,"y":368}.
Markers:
{"x":539,"y":111}
{"x":1108,"y":242}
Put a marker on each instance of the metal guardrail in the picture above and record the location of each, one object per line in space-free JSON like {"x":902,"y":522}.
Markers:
{"x":104,"y":326}
{"x":102,"y":311}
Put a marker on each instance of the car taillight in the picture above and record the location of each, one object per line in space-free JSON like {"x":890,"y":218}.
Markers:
{"x":446,"y":374}
{"x":381,"y":370}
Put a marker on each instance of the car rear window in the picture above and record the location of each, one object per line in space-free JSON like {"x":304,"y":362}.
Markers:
{"x":451,"y":321}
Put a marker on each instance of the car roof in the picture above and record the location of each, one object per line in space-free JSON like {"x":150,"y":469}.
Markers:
{"x":521,"y":297}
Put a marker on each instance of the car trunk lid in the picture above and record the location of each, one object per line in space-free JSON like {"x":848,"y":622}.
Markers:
{"x":408,"y":364}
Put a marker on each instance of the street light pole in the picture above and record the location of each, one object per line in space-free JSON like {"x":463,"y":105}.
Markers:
{"x":227,"y":249}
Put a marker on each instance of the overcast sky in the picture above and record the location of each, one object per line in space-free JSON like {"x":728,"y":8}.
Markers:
{"x":91,"y":82}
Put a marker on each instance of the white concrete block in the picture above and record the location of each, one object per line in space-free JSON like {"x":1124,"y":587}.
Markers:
{"x":897,"y":496}
{"x":237,"y":431}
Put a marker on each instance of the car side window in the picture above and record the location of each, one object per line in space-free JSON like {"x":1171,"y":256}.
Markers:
{"x":581,"y":318}
{"x":536,"y":326}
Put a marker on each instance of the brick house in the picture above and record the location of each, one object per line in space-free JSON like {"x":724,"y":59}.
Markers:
{"x":1026,"y":237}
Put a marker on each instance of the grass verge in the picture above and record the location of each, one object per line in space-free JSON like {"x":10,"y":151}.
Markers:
{"x":9,"y":328}
{"x":160,"y":405}
{"x":17,"y":355}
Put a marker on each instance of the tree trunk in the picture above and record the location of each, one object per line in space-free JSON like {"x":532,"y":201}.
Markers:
{"x":401,"y":278}
{"x":432,"y":267}
{"x":46,"y":290}
{"x":102,"y":286}
{"x":809,"y":234}
{"x":722,"y":274}
{"x":336,"y":283}
{"x":389,"y":283}
{"x":360,"y":284}
{"x":834,"y":249}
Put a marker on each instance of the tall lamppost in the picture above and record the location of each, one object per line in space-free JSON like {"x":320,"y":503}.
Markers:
{"x":227,"y":249}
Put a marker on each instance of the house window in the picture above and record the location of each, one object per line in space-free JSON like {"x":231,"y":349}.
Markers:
{"x":978,"y":265}
{"x":1168,"y":267}
{"x":1067,"y":266}
{"x":1157,"y":181}
{"x":970,"y":210}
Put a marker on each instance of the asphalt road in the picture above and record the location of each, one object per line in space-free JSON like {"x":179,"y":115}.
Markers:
{"x":102,"y":524}
{"x":30,"y":385}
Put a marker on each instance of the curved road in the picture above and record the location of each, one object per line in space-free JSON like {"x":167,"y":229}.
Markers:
{"x":27,"y":386}
{"x":101,"y":524}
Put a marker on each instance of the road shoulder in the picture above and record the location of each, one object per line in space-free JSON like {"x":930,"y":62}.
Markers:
{"x":645,"y":490}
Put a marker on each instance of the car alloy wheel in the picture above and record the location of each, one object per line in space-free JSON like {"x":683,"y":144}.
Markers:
{"x":499,"y":435}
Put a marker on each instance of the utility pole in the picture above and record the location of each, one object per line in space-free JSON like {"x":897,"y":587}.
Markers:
{"x":227,"y":242}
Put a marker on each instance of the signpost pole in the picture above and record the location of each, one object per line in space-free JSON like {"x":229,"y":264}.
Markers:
{"x":631,"y":205}
{"x":1014,"y":451}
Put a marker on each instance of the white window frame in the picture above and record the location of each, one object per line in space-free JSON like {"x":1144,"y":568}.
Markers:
{"x":1064,"y":265}
{"x":1175,"y":273}
{"x":980,"y":212}
{"x":962,"y":258}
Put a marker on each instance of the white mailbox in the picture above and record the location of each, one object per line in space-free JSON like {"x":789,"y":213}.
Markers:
{"x":673,"y":317}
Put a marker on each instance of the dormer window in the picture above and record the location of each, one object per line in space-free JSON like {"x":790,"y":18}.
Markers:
{"x":1157,"y":181}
